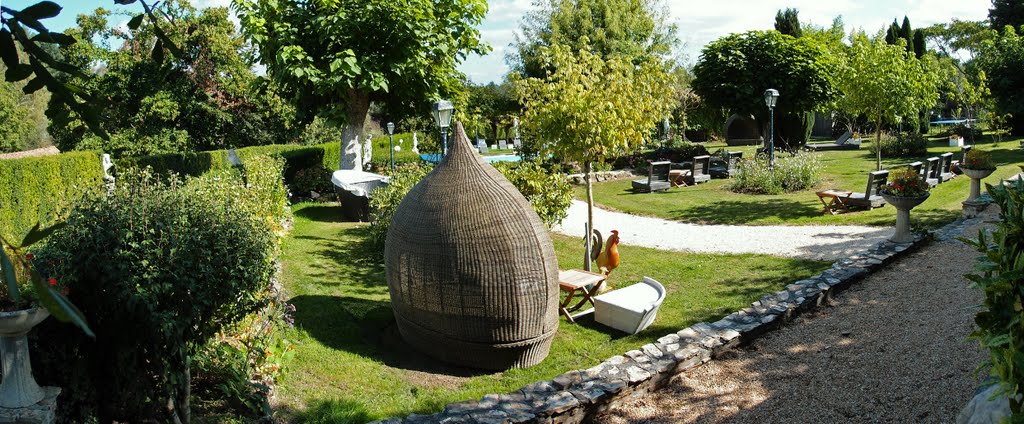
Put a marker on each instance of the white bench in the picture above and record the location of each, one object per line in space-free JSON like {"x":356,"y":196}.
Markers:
{"x":630,"y":309}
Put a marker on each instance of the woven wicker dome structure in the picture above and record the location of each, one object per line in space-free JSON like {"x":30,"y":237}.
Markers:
{"x":471,"y":268}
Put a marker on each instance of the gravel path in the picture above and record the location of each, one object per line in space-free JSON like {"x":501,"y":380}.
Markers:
{"x":892,"y":348}
{"x":810,"y":242}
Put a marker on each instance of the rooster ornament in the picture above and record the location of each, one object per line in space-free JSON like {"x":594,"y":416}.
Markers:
{"x":607,"y":259}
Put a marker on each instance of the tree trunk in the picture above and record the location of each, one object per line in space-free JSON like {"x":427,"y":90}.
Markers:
{"x":590,"y":210}
{"x":878,"y":143}
{"x":682,"y":129}
{"x":494,"y":130}
{"x":357,"y":108}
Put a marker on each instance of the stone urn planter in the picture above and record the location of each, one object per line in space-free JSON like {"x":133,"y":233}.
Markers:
{"x":976,"y":176}
{"x":903,"y":206}
{"x":19,"y":388}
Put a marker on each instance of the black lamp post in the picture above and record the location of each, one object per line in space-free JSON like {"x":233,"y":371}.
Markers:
{"x":771,"y":96}
{"x":391,"y":144}
{"x":443,"y":110}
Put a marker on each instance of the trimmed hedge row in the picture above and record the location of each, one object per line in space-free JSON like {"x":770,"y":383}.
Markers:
{"x":40,"y":189}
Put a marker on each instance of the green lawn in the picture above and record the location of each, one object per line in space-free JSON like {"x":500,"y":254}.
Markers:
{"x":714,"y":203}
{"x":351,"y":366}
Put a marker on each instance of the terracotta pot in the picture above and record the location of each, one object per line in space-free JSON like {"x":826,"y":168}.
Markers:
{"x":903,"y":206}
{"x":19,"y":388}
{"x":976,"y":176}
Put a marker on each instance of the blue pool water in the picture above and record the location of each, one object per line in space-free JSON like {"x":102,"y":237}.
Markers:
{"x":435,"y":158}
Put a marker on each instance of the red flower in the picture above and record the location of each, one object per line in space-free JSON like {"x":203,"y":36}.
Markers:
{"x":53,"y":282}
{"x":29,"y":256}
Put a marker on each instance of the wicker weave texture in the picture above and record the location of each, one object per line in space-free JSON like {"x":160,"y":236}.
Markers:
{"x":471,"y":268}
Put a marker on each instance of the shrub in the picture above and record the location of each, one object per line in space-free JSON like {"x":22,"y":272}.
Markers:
{"x":158,"y":269}
{"x":904,"y":144}
{"x":549,"y":193}
{"x":792,"y":173}
{"x":971,"y":134}
{"x":678,"y":150}
{"x":978,"y":159}
{"x":1001,"y":319}
{"x":386,"y":199}
{"x":40,"y":189}
{"x":905,"y":182}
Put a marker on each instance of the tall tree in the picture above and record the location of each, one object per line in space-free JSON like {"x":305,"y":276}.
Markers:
{"x":590,"y":108}
{"x":335,"y":57}
{"x":633,"y":29}
{"x":734,"y":71}
{"x":907,"y":33}
{"x":920,"y":48}
{"x":1006,"y":12}
{"x":886,"y":83}
{"x":788,"y":22}
{"x":1002,"y":59}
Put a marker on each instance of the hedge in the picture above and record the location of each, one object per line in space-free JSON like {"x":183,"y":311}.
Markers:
{"x":40,"y":189}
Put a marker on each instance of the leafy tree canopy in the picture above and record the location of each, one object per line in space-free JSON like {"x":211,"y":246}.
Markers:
{"x":203,"y":97}
{"x":886,"y":82}
{"x":734,"y":71}
{"x":335,"y":57}
{"x":637,"y":30}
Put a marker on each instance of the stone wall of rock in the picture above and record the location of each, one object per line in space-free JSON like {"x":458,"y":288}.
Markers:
{"x":577,"y":179}
{"x":573,"y":396}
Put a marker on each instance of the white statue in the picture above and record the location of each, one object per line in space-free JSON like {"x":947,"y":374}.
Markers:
{"x":415,"y":143}
{"x":367,"y":151}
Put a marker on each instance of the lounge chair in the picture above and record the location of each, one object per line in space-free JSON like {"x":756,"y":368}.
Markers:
{"x":931,"y":171}
{"x":945,"y":171}
{"x":699,"y":170}
{"x":924,"y":169}
{"x":657,"y":178}
{"x":840,"y":144}
{"x":502,"y":145}
{"x":630,"y":309}
{"x":870,"y":199}
{"x":481,"y":145}
{"x":724,"y":168}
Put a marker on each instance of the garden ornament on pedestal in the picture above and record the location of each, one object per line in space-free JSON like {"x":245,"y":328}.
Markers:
{"x":905,"y":190}
{"x":28,"y":299}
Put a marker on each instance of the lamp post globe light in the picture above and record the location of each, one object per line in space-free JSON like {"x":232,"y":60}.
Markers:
{"x":391,"y":144}
{"x":771,"y":96}
{"x":443,"y":110}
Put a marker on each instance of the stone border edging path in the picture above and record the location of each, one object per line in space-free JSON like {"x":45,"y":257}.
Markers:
{"x":818,"y":242}
{"x":575,"y":395}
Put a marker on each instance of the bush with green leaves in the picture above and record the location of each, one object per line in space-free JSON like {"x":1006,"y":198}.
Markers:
{"x":1000,"y":276}
{"x":969,"y":133}
{"x":549,"y":192}
{"x":903,"y":145}
{"x":385,"y":200}
{"x":158,"y":267}
{"x":792,"y":173}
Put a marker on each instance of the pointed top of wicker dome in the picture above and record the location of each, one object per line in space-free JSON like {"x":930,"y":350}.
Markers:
{"x":459,"y":146}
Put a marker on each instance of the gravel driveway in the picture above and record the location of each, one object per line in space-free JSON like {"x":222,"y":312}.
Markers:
{"x":819,"y":242}
{"x":892,"y":348}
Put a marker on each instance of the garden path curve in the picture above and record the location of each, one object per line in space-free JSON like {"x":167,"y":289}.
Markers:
{"x":819,"y":242}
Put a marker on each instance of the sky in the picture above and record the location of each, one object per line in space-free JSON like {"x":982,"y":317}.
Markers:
{"x":699,"y":21}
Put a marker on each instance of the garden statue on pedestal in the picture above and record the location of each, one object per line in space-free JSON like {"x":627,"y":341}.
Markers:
{"x":905,"y":190}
